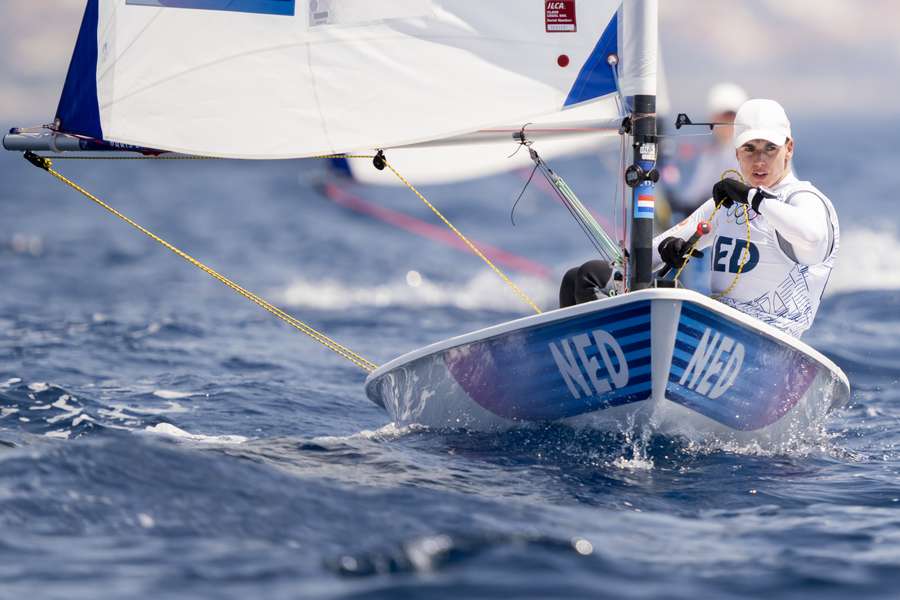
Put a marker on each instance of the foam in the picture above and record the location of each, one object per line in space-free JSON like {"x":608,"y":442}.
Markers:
{"x":636,"y":463}
{"x":171,"y":407}
{"x":816,"y":441}
{"x":145,"y":520}
{"x":867,"y":259}
{"x":391,"y":431}
{"x":639,"y":441}
{"x":169,"y":430}
{"x":131,"y":414}
{"x":9,"y":382}
{"x":171,"y":394}
{"x":483,"y":291}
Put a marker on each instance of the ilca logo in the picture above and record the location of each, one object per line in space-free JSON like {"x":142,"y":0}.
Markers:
{"x":573,"y":365}
{"x":714,"y":366}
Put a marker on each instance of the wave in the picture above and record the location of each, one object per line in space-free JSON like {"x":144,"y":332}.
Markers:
{"x":171,"y":431}
{"x":47,"y":409}
{"x":867,"y":260}
{"x":437,"y":552}
{"x":386,"y":433}
{"x":483,"y":291}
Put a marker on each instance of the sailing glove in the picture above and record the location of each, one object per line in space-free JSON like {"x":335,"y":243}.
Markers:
{"x":672,"y":251}
{"x":729,"y":192}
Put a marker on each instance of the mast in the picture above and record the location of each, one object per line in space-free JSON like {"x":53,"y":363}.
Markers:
{"x":640,"y":25}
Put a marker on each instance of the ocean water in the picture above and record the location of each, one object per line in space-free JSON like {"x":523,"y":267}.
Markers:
{"x":161,"y":437}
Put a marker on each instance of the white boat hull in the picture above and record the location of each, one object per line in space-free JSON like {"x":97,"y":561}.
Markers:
{"x":667,"y":359}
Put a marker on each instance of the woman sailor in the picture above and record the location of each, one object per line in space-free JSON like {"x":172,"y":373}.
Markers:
{"x":777,"y":268}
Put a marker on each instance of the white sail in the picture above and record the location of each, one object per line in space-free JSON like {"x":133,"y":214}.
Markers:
{"x":588,"y":127}
{"x":562,"y":133}
{"x":294,"y":78}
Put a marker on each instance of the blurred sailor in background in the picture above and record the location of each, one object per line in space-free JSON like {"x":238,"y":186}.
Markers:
{"x":712,"y":160}
{"x":703,"y":166}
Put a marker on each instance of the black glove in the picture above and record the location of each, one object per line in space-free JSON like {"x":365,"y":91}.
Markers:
{"x":672,"y":250}
{"x":729,"y":192}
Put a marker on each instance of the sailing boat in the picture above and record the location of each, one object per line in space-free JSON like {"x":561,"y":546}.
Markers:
{"x":264,"y":79}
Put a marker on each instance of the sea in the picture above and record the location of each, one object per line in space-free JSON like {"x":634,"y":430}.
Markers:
{"x":162,"y":437}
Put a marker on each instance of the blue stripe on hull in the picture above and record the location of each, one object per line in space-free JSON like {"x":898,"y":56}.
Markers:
{"x":763,"y":381}
{"x":514,"y":375}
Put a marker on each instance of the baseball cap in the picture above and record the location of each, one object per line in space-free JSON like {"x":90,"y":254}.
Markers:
{"x":761,"y":119}
{"x":725,"y":97}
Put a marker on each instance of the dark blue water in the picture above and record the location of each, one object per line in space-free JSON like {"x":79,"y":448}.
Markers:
{"x":162,"y":437}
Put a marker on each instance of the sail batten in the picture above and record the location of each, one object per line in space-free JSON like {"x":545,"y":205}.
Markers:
{"x":235,"y":80}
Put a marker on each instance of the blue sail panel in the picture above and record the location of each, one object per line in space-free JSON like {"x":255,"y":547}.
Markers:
{"x":79,"y":109}
{"x":263,"y":7}
{"x":595,"y":78}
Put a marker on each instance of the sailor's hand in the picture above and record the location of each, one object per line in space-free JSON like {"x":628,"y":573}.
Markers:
{"x":729,"y":192}
{"x":673,"y":250}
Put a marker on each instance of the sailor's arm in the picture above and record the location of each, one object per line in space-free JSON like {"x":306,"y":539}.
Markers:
{"x":803,"y":223}
{"x":684,"y":230}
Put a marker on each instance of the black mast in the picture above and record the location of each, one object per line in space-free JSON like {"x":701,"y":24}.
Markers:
{"x":642,"y":176}
{"x":639,"y":43}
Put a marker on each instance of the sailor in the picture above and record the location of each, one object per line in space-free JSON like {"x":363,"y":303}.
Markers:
{"x":776,"y":267}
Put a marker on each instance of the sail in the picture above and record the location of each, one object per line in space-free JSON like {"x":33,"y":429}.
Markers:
{"x":295,"y":78}
{"x":587,"y":127}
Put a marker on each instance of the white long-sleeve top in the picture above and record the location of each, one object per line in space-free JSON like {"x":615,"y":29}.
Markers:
{"x":789,"y":254}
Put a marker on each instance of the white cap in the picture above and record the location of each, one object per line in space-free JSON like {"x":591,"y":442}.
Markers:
{"x":761,"y":119}
{"x":725,"y":97}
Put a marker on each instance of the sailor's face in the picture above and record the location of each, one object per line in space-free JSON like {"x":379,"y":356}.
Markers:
{"x":763,"y":164}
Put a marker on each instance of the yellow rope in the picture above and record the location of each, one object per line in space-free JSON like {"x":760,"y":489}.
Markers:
{"x":458,"y":233}
{"x":465,"y":240}
{"x":434,"y":209}
{"x":744,"y":257}
{"x":329,"y":343}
